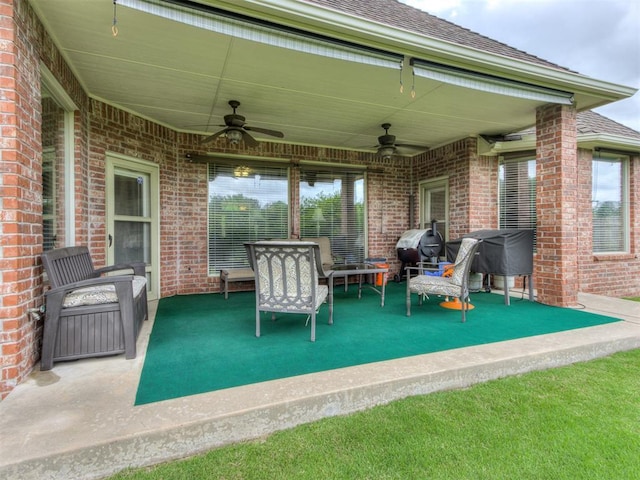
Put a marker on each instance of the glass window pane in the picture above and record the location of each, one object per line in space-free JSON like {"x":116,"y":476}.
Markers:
{"x":247,"y":202}
{"x":130,"y":199}
{"x":332,"y":205}
{"x":131,"y":240}
{"x":53,"y":161}
{"x":517,"y":194}
{"x":608,"y":206}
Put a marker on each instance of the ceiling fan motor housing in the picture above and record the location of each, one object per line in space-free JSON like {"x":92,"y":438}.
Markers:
{"x":234,"y":120}
{"x":387,"y":139}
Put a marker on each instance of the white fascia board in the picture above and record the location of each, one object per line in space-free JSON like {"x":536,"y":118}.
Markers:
{"x":320,"y":19}
{"x":603,"y":140}
{"x":588,"y":141}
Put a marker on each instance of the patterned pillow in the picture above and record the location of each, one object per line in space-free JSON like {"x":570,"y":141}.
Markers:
{"x":100,"y":294}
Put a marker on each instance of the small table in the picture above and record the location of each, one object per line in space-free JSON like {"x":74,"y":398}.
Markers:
{"x":361,"y":269}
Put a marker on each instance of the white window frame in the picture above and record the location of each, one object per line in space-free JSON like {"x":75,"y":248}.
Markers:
{"x":624,"y":199}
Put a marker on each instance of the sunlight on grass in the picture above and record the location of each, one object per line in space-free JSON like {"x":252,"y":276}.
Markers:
{"x":576,"y":422}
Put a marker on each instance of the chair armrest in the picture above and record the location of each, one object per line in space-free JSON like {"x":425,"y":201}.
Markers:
{"x":137,"y":267}
{"x":421,"y":268}
{"x":90,"y":282}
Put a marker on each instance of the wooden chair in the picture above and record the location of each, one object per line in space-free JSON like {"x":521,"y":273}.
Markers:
{"x":88,"y":314}
{"x":456,"y":285}
{"x":286,"y":278}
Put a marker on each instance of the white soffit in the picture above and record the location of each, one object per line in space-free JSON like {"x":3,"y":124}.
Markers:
{"x":215,"y":20}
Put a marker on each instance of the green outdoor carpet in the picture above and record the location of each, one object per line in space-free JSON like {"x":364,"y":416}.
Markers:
{"x":202,"y":343}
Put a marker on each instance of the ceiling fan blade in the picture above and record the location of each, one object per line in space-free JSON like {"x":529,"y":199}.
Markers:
{"x":266,"y":131}
{"x":249,"y":140}
{"x":211,"y":138}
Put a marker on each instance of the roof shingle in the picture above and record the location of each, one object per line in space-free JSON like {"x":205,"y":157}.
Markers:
{"x":405,"y":17}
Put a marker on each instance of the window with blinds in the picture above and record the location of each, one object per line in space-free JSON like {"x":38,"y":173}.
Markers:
{"x":332,"y":205}
{"x":609,"y":205}
{"x":517,"y":194}
{"x":247,"y":202}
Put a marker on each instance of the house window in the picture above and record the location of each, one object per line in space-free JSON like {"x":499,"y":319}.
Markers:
{"x":57,"y":137}
{"x":247,"y":202}
{"x":48,"y":199}
{"x":610,"y":204}
{"x":332,"y":205}
{"x":517,"y":193}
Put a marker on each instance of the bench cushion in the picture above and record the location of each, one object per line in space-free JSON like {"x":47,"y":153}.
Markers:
{"x":100,"y":294}
{"x":237,"y":274}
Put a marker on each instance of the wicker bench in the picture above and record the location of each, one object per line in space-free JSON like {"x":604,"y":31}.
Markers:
{"x":230,"y":275}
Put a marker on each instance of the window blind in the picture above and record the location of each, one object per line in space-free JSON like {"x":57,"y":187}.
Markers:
{"x":247,"y":202}
{"x":608,"y":205}
{"x":332,"y":205}
{"x":517,"y":194}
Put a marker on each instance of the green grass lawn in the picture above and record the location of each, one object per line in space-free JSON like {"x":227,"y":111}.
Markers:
{"x":576,"y":422}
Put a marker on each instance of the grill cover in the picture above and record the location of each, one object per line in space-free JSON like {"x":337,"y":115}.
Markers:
{"x":417,"y":245}
{"x":507,"y":252}
{"x":410,"y":239}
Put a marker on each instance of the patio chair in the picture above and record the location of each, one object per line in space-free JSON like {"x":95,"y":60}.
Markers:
{"x":286,"y":278}
{"x":88,"y":314}
{"x":455,"y":285}
{"x":326,"y":254}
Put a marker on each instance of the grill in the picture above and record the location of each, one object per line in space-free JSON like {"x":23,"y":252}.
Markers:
{"x":418,"y":246}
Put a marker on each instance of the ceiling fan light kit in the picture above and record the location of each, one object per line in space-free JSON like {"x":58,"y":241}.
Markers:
{"x":234,"y":136}
{"x":236,"y":130}
{"x":387,"y":146}
{"x":387,"y":152}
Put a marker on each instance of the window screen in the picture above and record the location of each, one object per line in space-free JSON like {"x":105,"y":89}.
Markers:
{"x":247,"y":202}
{"x":332,"y":205}
{"x":517,"y":194}
{"x":609,"y":205}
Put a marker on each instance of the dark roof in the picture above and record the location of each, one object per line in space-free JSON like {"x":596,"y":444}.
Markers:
{"x":399,"y":15}
{"x":592,"y":122}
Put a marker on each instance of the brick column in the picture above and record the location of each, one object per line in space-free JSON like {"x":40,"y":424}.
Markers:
{"x":556,"y":203}
{"x":20,"y":197}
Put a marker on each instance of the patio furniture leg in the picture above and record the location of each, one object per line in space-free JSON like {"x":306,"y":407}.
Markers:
{"x":408,"y":300}
{"x":313,"y":326}
{"x":330,"y":299}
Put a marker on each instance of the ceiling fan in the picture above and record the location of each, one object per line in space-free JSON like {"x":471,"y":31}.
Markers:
{"x":236,"y":130}
{"x":387,"y":146}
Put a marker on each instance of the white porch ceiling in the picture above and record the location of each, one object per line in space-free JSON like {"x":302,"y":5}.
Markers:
{"x":183,"y":77}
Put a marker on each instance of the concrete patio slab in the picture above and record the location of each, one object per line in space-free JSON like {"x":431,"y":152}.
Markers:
{"x":78,"y":421}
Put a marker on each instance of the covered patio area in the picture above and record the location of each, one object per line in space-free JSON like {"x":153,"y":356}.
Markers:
{"x":82,"y":421}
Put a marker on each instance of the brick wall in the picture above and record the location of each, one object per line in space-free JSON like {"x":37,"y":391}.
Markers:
{"x":20,"y":195}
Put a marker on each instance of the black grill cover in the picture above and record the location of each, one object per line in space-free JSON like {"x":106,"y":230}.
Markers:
{"x":506,"y":252}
